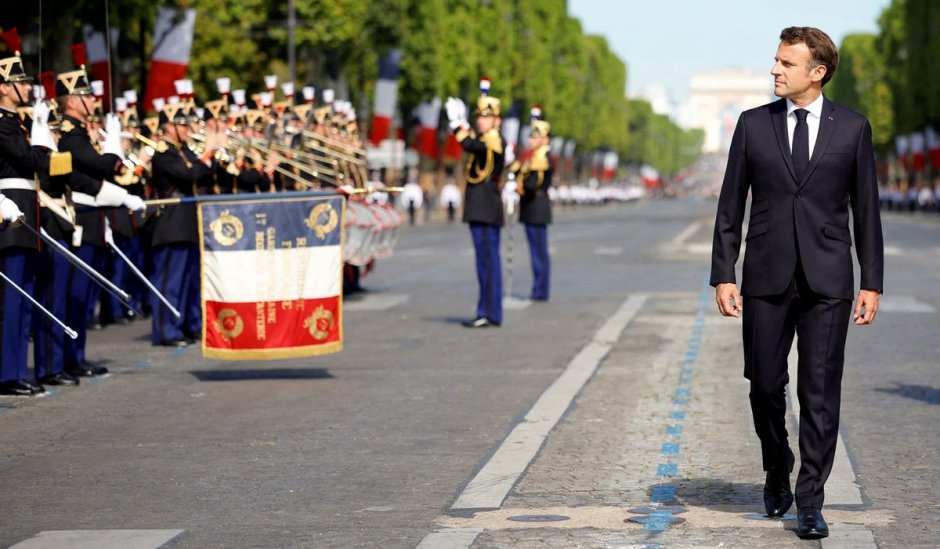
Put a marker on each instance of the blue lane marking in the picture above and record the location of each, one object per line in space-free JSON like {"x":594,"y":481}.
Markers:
{"x":667,"y":470}
{"x":664,"y":493}
{"x":141,"y":364}
{"x":179,"y":351}
{"x":51,"y":393}
{"x":2,"y":409}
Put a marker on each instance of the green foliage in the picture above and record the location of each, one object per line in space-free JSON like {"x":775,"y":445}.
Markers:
{"x":533,"y":51}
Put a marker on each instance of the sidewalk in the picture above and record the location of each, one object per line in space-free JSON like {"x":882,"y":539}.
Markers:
{"x":664,"y":424}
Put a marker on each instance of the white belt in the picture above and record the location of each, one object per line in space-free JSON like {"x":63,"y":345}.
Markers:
{"x":10,"y":183}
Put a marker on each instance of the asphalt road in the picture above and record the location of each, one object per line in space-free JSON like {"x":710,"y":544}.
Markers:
{"x":371,"y":447}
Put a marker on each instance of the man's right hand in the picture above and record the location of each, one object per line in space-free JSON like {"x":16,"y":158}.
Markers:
{"x":729,"y":300}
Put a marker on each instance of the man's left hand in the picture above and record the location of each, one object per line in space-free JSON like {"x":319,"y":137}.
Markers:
{"x":866,"y":306}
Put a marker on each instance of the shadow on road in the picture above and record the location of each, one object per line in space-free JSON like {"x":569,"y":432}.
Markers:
{"x":265,"y":374}
{"x":930,"y":395}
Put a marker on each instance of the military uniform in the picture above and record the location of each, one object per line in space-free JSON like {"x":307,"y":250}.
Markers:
{"x":534,"y":178}
{"x":175,"y":244}
{"x":20,"y":165}
{"x":483,"y":207}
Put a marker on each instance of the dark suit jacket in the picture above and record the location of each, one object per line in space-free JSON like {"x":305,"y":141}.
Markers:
{"x":809,"y":217}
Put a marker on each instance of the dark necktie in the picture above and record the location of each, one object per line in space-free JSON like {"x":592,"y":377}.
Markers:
{"x":800,"y":152}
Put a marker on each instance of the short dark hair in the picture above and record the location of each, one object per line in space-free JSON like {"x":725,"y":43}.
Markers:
{"x":821,"y":47}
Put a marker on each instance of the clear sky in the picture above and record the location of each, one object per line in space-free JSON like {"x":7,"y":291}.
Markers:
{"x":664,"y":42}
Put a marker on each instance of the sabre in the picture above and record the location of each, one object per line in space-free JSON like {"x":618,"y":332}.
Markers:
{"x":68,"y":331}
{"x":140,"y":275}
{"x":85,"y":267}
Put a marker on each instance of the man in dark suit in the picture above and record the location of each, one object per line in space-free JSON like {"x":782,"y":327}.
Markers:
{"x":805,"y":160}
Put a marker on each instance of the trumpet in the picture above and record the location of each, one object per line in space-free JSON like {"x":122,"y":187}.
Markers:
{"x":159,"y":147}
{"x":323,"y":174}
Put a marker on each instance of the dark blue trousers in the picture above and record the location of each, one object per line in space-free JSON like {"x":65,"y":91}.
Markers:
{"x":489,"y":271}
{"x":537,"y":236}
{"x":19,"y":265}
{"x":120,"y":273}
{"x":176,"y":276}
{"x":82,"y":294}
{"x":53,"y":281}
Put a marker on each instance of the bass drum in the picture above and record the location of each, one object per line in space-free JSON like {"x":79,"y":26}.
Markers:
{"x":360,"y":234}
{"x":390,"y":219}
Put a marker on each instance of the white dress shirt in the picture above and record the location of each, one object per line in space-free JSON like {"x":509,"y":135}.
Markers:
{"x":812,"y":121}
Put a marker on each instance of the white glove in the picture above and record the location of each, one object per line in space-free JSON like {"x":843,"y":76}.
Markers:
{"x":9,"y":211}
{"x":108,"y":233}
{"x":509,"y":155}
{"x":456,"y":112}
{"x":134,"y":203}
{"x":112,"y":143}
{"x":39,"y":135}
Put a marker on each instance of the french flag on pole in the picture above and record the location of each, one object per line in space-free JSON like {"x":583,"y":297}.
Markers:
{"x":96,"y":49}
{"x":429,"y":115}
{"x":172,"y":43}
{"x":272,"y":277}
{"x":386,"y":95}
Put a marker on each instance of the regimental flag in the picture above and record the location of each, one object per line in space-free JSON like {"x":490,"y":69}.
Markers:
{"x":429,"y":115}
{"x":172,"y":44}
{"x":272,"y":277}
{"x":933,"y":146}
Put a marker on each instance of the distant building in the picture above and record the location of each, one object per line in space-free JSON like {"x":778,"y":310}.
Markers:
{"x":659,"y":99}
{"x":716,"y":99}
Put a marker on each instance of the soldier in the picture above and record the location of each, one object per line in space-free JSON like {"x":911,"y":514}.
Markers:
{"x":533,"y":179}
{"x":176,"y":171}
{"x":60,"y":288}
{"x":450,"y":196}
{"x":22,"y":159}
{"x":483,"y":206}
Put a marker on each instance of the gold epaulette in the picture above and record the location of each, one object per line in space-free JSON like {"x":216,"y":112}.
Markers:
{"x":60,"y":163}
{"x":493,"y":141}
{"x":539,"y":161}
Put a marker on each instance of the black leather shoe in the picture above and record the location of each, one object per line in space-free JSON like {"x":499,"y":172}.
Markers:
{"x":811,"y":524}
{"x":174,"y":343}
{"x":61,"y":378}
{"x":777,"y":494}
{"x":481,"y":322}
{"x":21,"y":388}
{"x":86,"y":369}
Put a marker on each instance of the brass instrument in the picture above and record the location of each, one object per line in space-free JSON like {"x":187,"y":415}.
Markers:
{"x":323,"y":174}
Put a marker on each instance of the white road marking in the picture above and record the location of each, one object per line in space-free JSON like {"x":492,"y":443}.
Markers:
{"x":893,"y":250}
{"x":450,"y":538}
{"x":903,"y":304}
{"x":515,"y":304}
{"x":686,"y":233}
{"x":609,"y":250}
{"x":492,"y":483}
{"x":99,"y":539}
{"x":374,"y":302}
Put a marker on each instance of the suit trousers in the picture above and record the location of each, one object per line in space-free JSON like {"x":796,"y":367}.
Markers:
{"x":821,"y":326}
{"x":537,"y":235}
{"x":19,"y":265}
{"x":489,"y":271}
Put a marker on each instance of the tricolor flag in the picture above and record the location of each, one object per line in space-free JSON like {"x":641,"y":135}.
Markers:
{"x":96,"y":49}
{"x":429,"y":116}
{"x":386,"y":95}
{"x":902,"y":146}
{"x":272,"y":277}
{"x":172,"y":43}
{"x":916,"y":140}
{"x":933,"y":147}
{"x":611,"y":160}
